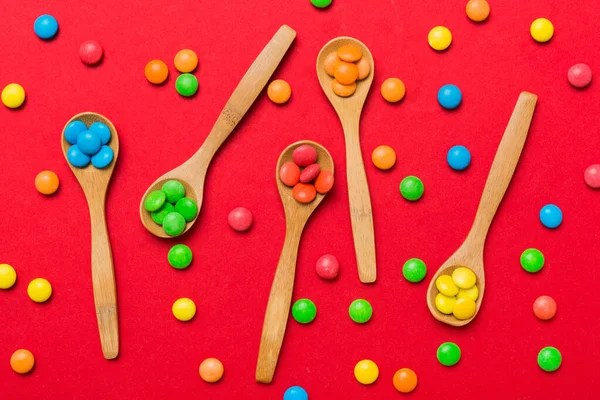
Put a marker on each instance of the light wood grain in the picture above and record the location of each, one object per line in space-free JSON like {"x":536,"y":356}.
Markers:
{"x":280,"y":297}
{"x":349,"y":110}
{"x":192,"y":173}
{"x":94,"y":183}
{"x":470,"y":253}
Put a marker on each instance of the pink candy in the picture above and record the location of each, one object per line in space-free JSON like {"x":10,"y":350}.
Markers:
{"x":240,"y":219}
{"x":310,"y":173}
{"x":592,"y":176}
{"x":90,"y":52}
{"x":328,"y":267}
{"x":304,"y":155}
{"x":580,"y":75}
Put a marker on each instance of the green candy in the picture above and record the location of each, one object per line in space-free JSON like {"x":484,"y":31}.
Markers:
{"x":304,"y":311}
{"x":174,"y":191}
{"x":180,"y":256}
{"x":187,"y":207}
{"x":360,"y":311}
{"x":321,"y":3}
{"x":159,"y":215}
{"x":414,"y":270}
{"x":154,"y":200}
{"x":411,"y":188}
{"x":174,"y":224}
{"x":549,"y":359}
{"x":186,"y":85}
{"x":448,"y":354}
{"x":532,"y":260}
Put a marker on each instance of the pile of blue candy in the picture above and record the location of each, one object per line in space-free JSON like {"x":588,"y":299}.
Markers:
{"x":89,"y":144}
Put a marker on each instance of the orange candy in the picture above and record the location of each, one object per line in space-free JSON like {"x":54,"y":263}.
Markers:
{"x":324,"y":181}
{"x":405,"y":380}
{"x":211,"y":370}
{"x":478,"y":10}
{"x":156,"y":72}
{"x":185,"y":60}
{"x":364,"y":68}
{"x":343,"y":90}
{"x":331,"y":62}
{"x":346,"y":73}
{"x":22,"y":361}
{"x":289,"y":174}
{"x":304,"y":192}
{"x":544,"y":308}
{"x":349,"y":53}
{"x":384,"y":157}
{"x":279,"y":91}
{"x":46,"y":182}
{"x":393,"y":90}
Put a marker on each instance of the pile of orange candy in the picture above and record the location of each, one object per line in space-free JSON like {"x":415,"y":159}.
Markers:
{"x":346,"y":66}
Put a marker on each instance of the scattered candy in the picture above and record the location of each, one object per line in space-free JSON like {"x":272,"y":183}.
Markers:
{"x":532,"y":260}
{"x":173,"y":190}
{"x":458,"y":158}
{"x":304,"y":311}
{"x":211,"y":370}
{"x":324,"y":181}
{"x":22,"y":361}
{"x":405,"y":380}
{"x":319,"y":4}
{"x":304,"y":155}
{"x":297,"y":392}
{"x":90,"y":52}
{"x":449,"y":96}
{"x":439,"y":38}
{"x":279,"y":91}
{"x":13,"y":95}
{"x":289,"y":174}
{"x":180,"y":256}
{"x":186,"y":85}
{"x":304,"y":192}
{"x":39,"y":290}
{"x":580,"y":75}
{"x":544,"y":307}
{"x":366,"y":372}
{"x":240,"y":219}
{"x":156,"y":72}
{"x":393,"y":90}
{"x":328,"y":267}
{"x":360,"y":311}
{"x":46,"y":182}
{"x":45,"y":26}
{"x":184,"y":309}
{"x":174,"y":224}
{"x":411,"y":188}
{"x":77,"y":158}
{"x":549,"y":359}
{"x":414,"y":270}
{"x":185,"y":60}
{"x":8,"y":276}
{"x":551,"y":216}
{"x":383,"y":157}
{"x":310,"y":173}
{"x":592,"y":176}
{"x":448,"y":354}
{"x":478,"y":10}
{"x":187,"y":208}
{"x":343,"y":90}
{"x":541,"y":30}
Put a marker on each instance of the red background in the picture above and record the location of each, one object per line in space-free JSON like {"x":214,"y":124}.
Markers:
{"x":231,"y":274}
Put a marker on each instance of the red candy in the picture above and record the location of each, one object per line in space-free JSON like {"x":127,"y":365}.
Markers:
{"x":289,"y":173}
{"x":304,"y":192}
{"x":240,"y":219}
{"x":310,"y":173}
{"x":580,"y":75}
{"x":592,"y":176}
{"x":324,"y":181}
{"x":544,"y":307}
{"x":328,"y":267}
{"x":90,"y":52}
{"x":304,"y":155}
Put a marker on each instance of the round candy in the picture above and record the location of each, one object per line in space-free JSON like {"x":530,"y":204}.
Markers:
{"x":464,"y":308}
{"x":211,"y":370}
{"x":319,"y":4}
{"x":346,"y":73}
{"x":328,"y":267}
{"x":331,"y":62}
{"x":446,"y":286}
{"x":310,"y":173}
{"x":184,"y":309}
{"x":186,"y":85}
{"x":156,"y":72}
{"x":472,"y":293}
{"x":13,"y":95}
{"x":187,"y":208}
{"x":393,"y":90}
{"x":90,"y":52}
{"x":103,"y":157}
{"x":360,"y":311}
{"x":366,"y":372}
{"x":304,"y":155}
{"x":449,"y":96}
{"x":279,"y":91}
{"x":551,"y":216}
{"x":45,"y":26}
{"x":76,"y":157}
{"x":364,"y":68}
{"x":174,"y":223}
{"x":8,"y":276}
{"x":580,"y":75}
{"x":439,"y":38}
{"x":159,"y":215}
{"x":592,"y":176}
{"x":289,"y":174}
{"x":532,"y":260}
{"x":297,"y":392}
{"x":102,"y":130}
{"x":458,"y":158}
{"x":343,"y":90}
{"x":405,"y":380}
{"x":445,"y":304}
{"x":544,"y":307}
{"x":324,"y":181}
{"x":154,"y":200}
{"x":478,"y":10}
{"x":383,"y":157}
{"x":448,"y":354}
{"x":180,"y":256}
{"x":549,"y":359}
{"x":349,"y":53}
{"x":185,"y":60}
{"x":46,"y":182}
{"x":73,"y":130}
{"x":304,"y":192}
{"x":89,"y":142}
{"x":464,"y":277}
{"x":541,"y":30}
{"x":39,"y":290}
{"x":411,"y":188}
{"x":414,"y":270}
{"x":22,"y":361}
{"x":304,"y":311}
{"x":174,"y":190}
{"x":240,"y":219}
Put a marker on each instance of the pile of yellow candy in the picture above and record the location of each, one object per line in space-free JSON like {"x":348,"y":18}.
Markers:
{"x":457,"y":293}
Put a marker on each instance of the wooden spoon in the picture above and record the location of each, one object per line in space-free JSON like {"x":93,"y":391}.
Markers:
{"x":348,"y":110}
{"x":278,"y":307}
{"x":94,"y":183}
{"x":470,"y":253}
{"x":193,"y":172}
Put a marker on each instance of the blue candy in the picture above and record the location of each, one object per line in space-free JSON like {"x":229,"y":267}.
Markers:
{"x":89,"y":142}
{"x":449,"y":96}
{"x":73,"y":130}
{"x":295,"y":393}
{"x":76,"y":157}
{"x":551,"y":216}
{"x":45,"y":26}
{"x":102,"y":131}
{"x":103,"y":157}
{"x":459,"y":158}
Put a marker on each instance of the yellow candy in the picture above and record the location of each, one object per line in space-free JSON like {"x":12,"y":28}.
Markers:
{"x":366,"y":372}
{"x":13,"y":95}
{"x":39,"y":290}
{"x":541,"y":30}
{"x":464,"y":308}
{"x":444,"y":304}
{"x":184,"y":309}
{"x":472,"y":293}
{"x":446,"y":285}
{"x":439,"y":38}
{"x":8,"y":276}
{"x":464,"y":278}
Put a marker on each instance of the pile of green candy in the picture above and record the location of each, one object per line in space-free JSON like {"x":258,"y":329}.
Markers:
{"x":170,"y":208}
